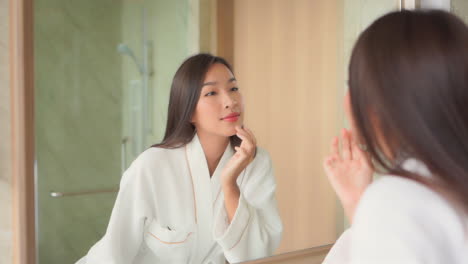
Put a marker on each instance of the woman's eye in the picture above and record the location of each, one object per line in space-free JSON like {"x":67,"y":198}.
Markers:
{"x":210,"y":94}
{"x":234,"y":89}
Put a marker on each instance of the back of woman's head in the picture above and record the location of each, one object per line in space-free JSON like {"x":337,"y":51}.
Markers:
{"x":408,"y":81}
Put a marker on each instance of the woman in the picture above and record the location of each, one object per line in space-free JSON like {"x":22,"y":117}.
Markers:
{"x":206,"y":194}
{"x":408,"y":105}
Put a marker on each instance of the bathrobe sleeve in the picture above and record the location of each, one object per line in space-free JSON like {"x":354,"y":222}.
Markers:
{"x":124,"y":234}
{"x":400,"y":221}
{"x":256,"y":228}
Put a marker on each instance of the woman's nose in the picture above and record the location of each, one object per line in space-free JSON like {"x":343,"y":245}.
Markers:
{"x":229,"y":101}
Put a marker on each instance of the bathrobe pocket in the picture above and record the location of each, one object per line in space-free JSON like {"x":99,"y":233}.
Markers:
{"x":168,"y":244}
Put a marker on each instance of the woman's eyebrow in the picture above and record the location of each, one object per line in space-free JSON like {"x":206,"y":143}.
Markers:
{"x":209,"y":83}
{"x":215,"y":83}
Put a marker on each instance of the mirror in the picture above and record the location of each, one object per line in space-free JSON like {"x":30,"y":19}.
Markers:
{"x":103,"y":72}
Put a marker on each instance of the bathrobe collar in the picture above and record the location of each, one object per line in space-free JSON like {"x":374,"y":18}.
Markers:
{"x":206,"y":190}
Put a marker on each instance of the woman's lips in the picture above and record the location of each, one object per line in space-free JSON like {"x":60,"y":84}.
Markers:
{"x":231,"y":117}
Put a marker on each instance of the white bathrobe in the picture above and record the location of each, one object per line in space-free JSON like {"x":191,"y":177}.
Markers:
{"x":400,"y":221}
{"x":169,"y":210}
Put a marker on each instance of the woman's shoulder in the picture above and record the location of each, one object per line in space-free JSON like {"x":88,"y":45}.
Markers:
{"x":399,"y":188}
{"x":153,"y":158}
{"x":388,"y":185}
{"x":157,"y":155}
{"x":403,"y":194}
{"x":401,"y":205}
{"x":146,"y":163}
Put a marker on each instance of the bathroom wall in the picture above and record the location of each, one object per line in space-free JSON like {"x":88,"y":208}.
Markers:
{"x":460,"y":8}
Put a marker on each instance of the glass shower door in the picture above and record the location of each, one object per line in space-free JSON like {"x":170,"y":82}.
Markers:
{"x":102,"y":85}
{"x":79,"y":98}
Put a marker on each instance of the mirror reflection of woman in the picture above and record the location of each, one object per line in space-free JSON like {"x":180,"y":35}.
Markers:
{"x":408,"y":105}
{"x":206,"y":194}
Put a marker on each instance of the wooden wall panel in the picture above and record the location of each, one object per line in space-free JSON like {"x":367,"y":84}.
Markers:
{"x":286,"y":56}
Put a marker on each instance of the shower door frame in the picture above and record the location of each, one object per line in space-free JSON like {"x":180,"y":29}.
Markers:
{"x":21,"y":64}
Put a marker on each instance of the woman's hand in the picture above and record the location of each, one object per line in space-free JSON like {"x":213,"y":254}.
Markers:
{"x":349,"y":172}
{"x":245,"y":153}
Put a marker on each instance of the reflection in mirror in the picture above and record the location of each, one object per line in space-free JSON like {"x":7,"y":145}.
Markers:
{"x":206,"y":192}
{"x":104,"y":71}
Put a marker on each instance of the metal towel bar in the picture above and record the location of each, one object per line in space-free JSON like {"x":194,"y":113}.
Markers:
{"x":63,"y":194}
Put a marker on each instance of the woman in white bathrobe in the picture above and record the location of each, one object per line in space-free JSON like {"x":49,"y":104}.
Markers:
{"x":206,"y":194}
{"x":408,"y":105}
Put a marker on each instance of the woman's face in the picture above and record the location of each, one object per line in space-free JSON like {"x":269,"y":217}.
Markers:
{"x":220,"y":107}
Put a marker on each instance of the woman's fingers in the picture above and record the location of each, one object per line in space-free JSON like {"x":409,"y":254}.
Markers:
{"x":247,"y":142}
{"x":240,"y":132}
{"x":240,"y":150}
{"x":254,"y":142}
{"x":242,"y":155}
{"x":346,"y":145}
{"x":242,"y":135}
{"x":330,"y":163}
{"x":358,"y":153}
{"x":334,"y":147}
{"x":252,"y":136}
{"x":327,"y":167}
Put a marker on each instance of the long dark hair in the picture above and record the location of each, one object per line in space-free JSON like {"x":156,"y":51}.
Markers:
{"x":408,"y":79}
{"x":185,"y":92}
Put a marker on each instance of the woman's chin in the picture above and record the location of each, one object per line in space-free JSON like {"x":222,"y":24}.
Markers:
{"x":231,"y":133}
{"x":231,"y":129}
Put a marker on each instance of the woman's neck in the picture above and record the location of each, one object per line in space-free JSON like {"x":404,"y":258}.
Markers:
{"x":213,"y":147}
